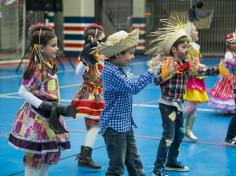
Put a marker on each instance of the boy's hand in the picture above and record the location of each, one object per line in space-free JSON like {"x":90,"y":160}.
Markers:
{"x":172,"y":68}
{"x":154,"y":63}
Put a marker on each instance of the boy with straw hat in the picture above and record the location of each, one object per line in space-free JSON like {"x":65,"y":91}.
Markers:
{"x":172,"y":41}
{"x":116,"y":121}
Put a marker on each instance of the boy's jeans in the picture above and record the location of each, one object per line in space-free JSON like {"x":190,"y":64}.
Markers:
{"x":172,"y":136}
{"x":122,"y":151}
{"x":231,"y":133}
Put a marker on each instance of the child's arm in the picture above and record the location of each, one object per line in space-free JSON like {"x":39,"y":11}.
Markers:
{"x":210,"y":71}
{"x":28,"y":96}
{"x":166,"y":72}
{"x":120,"y":83}
{"x":44,"y":105}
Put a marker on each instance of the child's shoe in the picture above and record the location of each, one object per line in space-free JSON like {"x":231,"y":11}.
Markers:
{"x":231,"y":142}
{"x":189,"y":134}
{"x":159,"y":172}
{"x":177,"y":167}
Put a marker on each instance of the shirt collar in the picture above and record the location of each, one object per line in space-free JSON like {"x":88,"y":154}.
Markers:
{"x":116,"y":67}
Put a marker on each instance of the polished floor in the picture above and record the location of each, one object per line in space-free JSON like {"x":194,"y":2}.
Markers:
{"x":207,"y":157}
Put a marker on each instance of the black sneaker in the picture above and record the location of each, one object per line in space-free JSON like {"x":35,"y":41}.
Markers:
{"x":159,"y":172}
{"x":231,"y":142}
{"x":177,"y":167}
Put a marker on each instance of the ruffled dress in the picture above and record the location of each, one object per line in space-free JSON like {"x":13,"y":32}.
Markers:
{"x":31,"y":132}
{"x":222,"y":95}
{"x":195,"y":86}
{"x":89,"y":100}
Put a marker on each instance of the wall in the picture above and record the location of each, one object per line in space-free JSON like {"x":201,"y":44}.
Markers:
{"x":77,"y":15}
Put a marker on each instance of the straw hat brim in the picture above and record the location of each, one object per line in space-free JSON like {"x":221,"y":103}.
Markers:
{"x":116,"y":46}
{"x":171,"y":39}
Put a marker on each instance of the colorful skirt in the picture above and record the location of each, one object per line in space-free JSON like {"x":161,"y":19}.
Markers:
{"x":89,"y":101}
{"x":31,"y":133}
{"x":196,"y":91}
{"x":222,"y":95}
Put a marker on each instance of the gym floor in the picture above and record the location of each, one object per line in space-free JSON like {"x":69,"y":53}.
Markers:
{"x":207,"y":157}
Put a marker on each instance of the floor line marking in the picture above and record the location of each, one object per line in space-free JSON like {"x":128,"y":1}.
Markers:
{"x":3,"y":95}
{"x":134,"y":104}
{"x":20,"y":75}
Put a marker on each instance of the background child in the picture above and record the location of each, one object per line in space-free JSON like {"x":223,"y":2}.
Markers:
{"x":230,"y":63}
{"x":34,"y":130}
{"x":89,"y":99}
{"x":222,"y":95}
{"x":195,"y":92}
{"x":172,"y":41}
{"x":116,"y":122}
{"x":195,"y":87}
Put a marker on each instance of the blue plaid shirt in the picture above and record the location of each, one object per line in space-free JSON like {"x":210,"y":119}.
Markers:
{"x":118,"y":91}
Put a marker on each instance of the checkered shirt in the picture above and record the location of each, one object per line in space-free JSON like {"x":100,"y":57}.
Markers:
{"x":173,"y":89}
{"x":118,"y":91}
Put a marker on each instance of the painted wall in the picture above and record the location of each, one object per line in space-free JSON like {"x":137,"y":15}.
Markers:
{"x":77,"y":15}
{"x":79,"y":8}
{"x":138,"y":21}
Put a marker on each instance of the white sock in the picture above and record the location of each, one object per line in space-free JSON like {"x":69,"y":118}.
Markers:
{"x":43,"y":171}
{"x":30,"y":171}
{"x":91,"y":136}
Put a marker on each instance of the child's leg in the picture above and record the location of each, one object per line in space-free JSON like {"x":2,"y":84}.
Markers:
{"x":91,"y":136}
{"x":168,"y":115}
{"x":133,"y":162}
{"x":31,"y":163}
{"x":116,"y":151}
{"x":85,"y":156}
{"x":231,"y":133}
{"x":178,"y":138}
{"x":190,"y":108}
{"x":172,"y":162}
{"x":46,"y":160}
{"x":38,"y":164}
{"x":190,"y":119}
{"x":30,"y":171}
{"x":43,"y":170}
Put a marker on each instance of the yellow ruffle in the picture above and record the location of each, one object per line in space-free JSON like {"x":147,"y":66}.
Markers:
{"x":165,"y":68}
{"x":196,"y":96}
{"x":223,"y":71}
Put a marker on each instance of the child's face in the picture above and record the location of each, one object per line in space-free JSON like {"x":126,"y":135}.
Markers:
{"x":50,"y":49}
{"x":125,"y":59}
{"x":232,"y":46}
{"x":182,"y":50}
{"x":194,"y":33}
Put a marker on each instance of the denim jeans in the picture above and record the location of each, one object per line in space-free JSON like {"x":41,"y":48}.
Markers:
{"x":231,"y":133}
{"x":122,"y":151}
{"x":172,"y":136}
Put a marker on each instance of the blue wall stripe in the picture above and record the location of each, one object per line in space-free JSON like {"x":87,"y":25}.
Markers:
{"x":72,"y":53}
{"x":142,"y":36}
{"x":138,"y":20}
{"x":79,"y":19}
{"x":51,"y":19}
{"x":73,"y":37}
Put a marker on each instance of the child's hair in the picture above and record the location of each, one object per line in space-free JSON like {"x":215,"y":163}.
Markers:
{"x":40,"y":37}
{"x":93,"y":30}
{"x":178,"y":42}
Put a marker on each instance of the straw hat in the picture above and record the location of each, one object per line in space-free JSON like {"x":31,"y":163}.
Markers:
{"x":118,"y":42}
{"x":165,"y":37}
